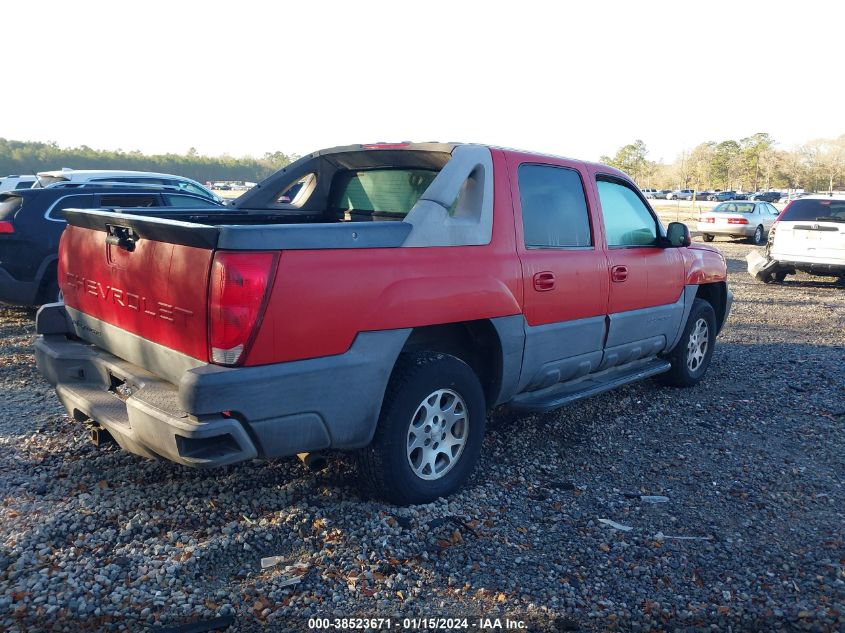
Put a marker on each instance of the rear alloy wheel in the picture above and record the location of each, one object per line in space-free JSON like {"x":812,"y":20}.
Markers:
{"x":691,"y":356}
{"x":759,"y":235}
{"x":429,"y":432}
{"x":707,"y":237}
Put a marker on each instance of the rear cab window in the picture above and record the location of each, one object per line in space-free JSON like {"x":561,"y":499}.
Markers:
{"x":379,"y":193}
{"x":628,"y":222}
{"x":554,"y":207}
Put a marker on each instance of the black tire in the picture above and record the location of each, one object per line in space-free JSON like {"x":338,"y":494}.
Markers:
{"x":385,"y":466}
{"x":50,"y":291}
{"x":712,"y":198}
{"x":780,"y":276}
{"x":707,"y":237}
{"x":759,"y":235}
{"x":681,"y":374}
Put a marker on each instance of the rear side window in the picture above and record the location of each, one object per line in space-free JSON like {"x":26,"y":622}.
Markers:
{"x":298,"y":192}
{"x":24,"y":184}
{"x":388,"y":191}
{"x":554,"y":207}
{"x":56,"y":212}
{"x":627,"y":220}
{"x":176,"y":200}
{"x":128,"y":201}
{"x":9,"y":206}
{"x":810,"y":210}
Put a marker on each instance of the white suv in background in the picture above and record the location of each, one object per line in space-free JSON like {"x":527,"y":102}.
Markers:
{"x":68,"y":177}
{"x":10,"y":183}
{"x":809,"y":236}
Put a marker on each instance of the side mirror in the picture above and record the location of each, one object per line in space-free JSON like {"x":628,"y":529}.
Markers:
{"x":677,"y":234}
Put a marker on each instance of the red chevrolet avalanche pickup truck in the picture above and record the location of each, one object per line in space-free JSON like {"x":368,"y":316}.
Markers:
{"x":375,"y":298}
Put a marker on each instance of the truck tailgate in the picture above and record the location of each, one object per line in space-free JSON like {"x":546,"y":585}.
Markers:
{"x":125,"y":273}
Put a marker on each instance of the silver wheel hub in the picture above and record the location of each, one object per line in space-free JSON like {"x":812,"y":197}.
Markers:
{"x":437,"y":434}
{"x":697,"y":346}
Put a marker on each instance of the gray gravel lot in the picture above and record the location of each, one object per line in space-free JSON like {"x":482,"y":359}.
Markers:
{"x":749,"y":534}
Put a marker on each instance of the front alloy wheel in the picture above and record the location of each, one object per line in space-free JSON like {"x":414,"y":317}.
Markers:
{"x":690,"y":358}
{"x":437,"y":434}
{"x":697,"y":345}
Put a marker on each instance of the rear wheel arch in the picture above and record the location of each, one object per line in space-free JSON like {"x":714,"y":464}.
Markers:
{"x":477,"y":343}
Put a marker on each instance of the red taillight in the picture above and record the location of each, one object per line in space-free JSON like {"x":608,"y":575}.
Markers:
{"x":6,"y":227}
{"x":238,"y":291}
{"x":708,"y":220}
{"x":737,"y":221}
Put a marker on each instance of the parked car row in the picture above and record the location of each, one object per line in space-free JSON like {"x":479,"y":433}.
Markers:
{"x":720,"y":196}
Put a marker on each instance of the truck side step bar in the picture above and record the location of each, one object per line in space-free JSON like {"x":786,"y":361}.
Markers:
{"x":563,"y":393}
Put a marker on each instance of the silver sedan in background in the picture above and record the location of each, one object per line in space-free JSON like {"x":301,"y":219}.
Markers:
{"x":751,"y":220}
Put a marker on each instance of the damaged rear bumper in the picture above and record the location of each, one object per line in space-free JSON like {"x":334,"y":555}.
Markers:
{"x":761,"y":267}
{"x":764,"y":267}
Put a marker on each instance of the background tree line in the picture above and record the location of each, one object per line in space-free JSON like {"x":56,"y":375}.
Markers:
{"x":24,"y":157}
{"x":749,"y":164}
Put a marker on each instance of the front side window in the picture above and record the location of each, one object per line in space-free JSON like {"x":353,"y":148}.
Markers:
{"x":554,"y":207}
{"x":627,"y":220}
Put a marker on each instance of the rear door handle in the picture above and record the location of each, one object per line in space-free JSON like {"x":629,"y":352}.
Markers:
{"x":619,"y":274}
{"x":544,"y":281}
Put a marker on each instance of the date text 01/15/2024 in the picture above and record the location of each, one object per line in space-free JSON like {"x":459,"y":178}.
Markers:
{"x":414,"y":624}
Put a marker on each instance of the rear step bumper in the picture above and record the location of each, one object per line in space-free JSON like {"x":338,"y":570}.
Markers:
{"x":217,"y":415}
{"x":139,"y":410}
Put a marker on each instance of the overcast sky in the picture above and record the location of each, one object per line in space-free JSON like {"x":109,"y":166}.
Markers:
{"x":572,"y":78}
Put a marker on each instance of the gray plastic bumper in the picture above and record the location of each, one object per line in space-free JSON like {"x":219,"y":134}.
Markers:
{"x":139,"y":410}
{"x":217,"y":415}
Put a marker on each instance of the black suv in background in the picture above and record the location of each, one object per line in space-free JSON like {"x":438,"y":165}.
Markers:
{"x":32,"y":221}
{"x":766,"y":196}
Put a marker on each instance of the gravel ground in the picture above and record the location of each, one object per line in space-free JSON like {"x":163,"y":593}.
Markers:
{"x":744,"y":530}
